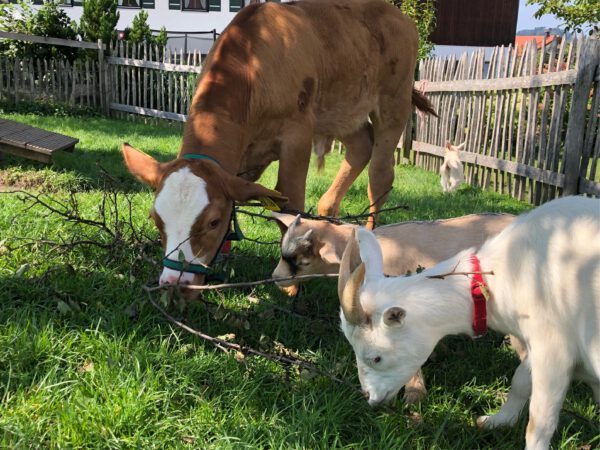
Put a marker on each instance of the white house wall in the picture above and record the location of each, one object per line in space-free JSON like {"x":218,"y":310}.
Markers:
{"x":174,"y":20}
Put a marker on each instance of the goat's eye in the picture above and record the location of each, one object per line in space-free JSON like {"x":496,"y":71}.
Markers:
{"x":214,"y":223}
{"x":377,"y":359}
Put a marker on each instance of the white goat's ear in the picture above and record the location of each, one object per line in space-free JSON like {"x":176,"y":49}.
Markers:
{"x":394,"y":316}
{"x":461,"y":146}
{"x":286,"y":219}
{"x":370,"y":253}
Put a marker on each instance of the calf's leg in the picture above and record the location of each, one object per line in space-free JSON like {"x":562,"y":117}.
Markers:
{"x":358,"y":152}
{"x":291,"y":177}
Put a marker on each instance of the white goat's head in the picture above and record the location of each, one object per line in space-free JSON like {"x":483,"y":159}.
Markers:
{"x":389,"y":347}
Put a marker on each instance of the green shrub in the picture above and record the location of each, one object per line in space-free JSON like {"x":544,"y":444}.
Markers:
{"x":49,"y":20}
{"x":99,"y":20}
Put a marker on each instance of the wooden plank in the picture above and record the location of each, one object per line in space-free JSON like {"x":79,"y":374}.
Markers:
{"x":498,"y":84}
{"x":513,"y":167}
{"x":25,"y":153}
{"x":9,"y":127}
{"x":48,"y":40}
{"x":167,"y":67}
{"x":23,"y":137}
{"x":148,"y":112}
{"x":53,"y":143}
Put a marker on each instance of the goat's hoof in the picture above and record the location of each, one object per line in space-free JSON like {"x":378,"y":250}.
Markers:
{"x":483,"y":422}
{"x":412,"y":396}
{"x":291,"y":291}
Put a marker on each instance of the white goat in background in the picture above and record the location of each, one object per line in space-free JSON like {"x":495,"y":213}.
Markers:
{"x":545,"y":290}
{"x":451,"y":170}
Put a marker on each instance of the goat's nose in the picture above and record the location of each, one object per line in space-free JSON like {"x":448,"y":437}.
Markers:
{"x":366,"y":394}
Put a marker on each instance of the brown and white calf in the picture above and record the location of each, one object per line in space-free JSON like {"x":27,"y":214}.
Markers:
{"x":316,"y":246}
{"x":540,"y":281}
{"x":279,"y":75}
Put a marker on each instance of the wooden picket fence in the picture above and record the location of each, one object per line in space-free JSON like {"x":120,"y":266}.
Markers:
{"x":151,"y":81}
{"x":529,"y":118}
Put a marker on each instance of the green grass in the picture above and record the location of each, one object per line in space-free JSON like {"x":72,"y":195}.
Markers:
{"x":87,"y":362}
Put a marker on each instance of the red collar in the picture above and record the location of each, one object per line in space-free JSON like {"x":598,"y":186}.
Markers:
{"x":478,"y":286}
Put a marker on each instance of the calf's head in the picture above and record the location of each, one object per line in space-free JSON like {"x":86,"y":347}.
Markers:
{"x":305,"y":248}
{"x":389,"y":346}
{"x":192,"y":208}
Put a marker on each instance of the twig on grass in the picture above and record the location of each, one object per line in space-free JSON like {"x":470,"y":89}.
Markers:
{"x":210,"y":287}
{"x":226,"y":346}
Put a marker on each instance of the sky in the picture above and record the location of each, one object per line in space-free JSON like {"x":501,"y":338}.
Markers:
{"x":526,"y":21}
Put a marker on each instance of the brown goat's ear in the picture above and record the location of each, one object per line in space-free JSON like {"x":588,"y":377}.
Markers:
{"x":448,"y":145}
{"x":394,"y":316}
{"x":142,"y":166}
{"x":328,"y":254}
{"x":286,"y":219}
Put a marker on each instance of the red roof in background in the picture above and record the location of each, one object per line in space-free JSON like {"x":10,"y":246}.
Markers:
{"x":520,"y":41}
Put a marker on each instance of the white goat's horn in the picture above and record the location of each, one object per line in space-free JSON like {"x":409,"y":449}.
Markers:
{"x":350,"y":300}
{"x":350,"y":261}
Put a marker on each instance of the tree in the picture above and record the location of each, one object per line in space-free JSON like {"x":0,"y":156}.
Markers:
{"x":423,"y":12}
{"x":49,"y":20}
{"x":577,"y":15}
{"x":140,"y":30}
{"x":99,"y":20}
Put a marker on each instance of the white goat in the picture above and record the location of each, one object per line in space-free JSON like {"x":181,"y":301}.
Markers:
{"x":545,"y":289}
{"x":451,"y":170}
{"x":316,"y":246}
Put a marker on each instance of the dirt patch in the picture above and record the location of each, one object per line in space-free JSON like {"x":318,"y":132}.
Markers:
{"x":29,"y":181}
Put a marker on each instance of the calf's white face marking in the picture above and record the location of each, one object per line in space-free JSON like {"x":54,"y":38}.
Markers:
{"x":181,"y":200}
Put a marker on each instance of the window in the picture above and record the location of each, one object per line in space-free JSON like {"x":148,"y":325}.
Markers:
{"x":130,"y":3}
{"x":195,"y":5}
{"x":65,"y":2}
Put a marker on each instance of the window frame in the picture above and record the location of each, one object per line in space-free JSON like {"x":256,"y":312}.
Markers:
{"x":140,"y":2}
{"x":183,"y":8}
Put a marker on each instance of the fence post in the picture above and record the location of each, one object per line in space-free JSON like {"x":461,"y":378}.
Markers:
{"x":102,"y":78}
{"x":586,"y":68}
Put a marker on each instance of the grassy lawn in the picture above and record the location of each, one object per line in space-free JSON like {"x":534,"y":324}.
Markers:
{"x":87,"y":362}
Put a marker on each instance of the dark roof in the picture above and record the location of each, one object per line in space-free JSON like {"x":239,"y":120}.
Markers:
{"x":476,"y":22}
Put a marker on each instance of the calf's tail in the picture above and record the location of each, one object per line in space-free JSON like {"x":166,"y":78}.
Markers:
{"x":422,"y":103}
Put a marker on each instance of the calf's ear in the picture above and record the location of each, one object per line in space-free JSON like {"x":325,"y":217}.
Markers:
{"x":394,"y":316}
{"x":142,"y":166}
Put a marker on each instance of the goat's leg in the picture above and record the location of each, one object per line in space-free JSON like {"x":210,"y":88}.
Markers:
{"x":414,"y":390}
{"x":550,"y":382}
{"x":358,"y":152}
{"x":517,"y":398}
